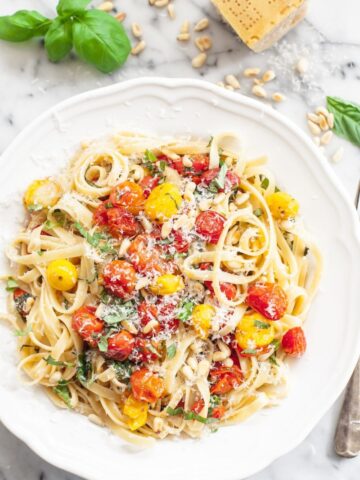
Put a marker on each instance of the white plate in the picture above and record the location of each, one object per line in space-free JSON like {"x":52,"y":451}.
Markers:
{"x":167,"y":106}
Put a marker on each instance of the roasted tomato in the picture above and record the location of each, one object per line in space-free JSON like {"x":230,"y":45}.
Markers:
{"x":87,"y":325}
{"x":198,"y":406}
{"x":218,"y":412}
{"x":200,"y":162}
{"x":146,"y":386}
{"x":294,"y":342}
{"x":209,"y":225}
{"x":145,"y":256}
{"x":120,"y":278}
{"x":163,"y":313}
{"x":122,"y":223}
{"x":120,"y":345}
{"x":100,"y":215}
{"x":181,"y":243}
{"x":225,"y":379}
{"x":148,"y":183}
{"x":232,"y":180}
{"x":128,"y":195}
{"x":23,"y":301}
{"x":228,"y":289}
{"x":144,"y":351}
{"x":148,"y":312}
{"x":269,"y":299}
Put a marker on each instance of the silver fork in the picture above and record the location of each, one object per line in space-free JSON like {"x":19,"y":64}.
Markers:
{"x":347,"y":435}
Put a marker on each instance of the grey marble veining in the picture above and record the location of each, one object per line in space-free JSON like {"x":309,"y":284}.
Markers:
{"x":329,"y":38}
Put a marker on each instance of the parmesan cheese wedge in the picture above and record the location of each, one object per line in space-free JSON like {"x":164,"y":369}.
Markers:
{"x":261,"y":23}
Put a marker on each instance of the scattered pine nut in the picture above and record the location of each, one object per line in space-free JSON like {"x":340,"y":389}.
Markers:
{"x":201,"y":25}
{"x":151,"y":2}
{"x":251,"y":72}
{"x":326,"y":138}
{"x":138,"y":48}
{"x":322,"y":111}
{"x":313,"y":117}
{"x":199,"y":60}
{"x":330,"y":120}
{"x":228,"y":362}
{"x":278,"y":97}
{"x":106,"y":6}
{"x":314,"y":129}
{"x":302,"y":66}
{"x":171,"y":10}
{"x":203,"y":43}
{"x":185,"y":27}
{"x":120,"y":16}
{"x":259,"y":91}
{"x":161,"y":3}
{"x":258,"y":82}
{"x":183,"y":37}
{"x":136,"y":30}
{"x":232,"y":81}
{"x":338,"y":155}
{"x":268,"y":76}
{"x":323,"y":123}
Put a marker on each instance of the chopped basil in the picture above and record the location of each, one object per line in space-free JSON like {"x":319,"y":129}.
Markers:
{"x":123,"y":370}
{"x":213,"y":187}
{"x":265,"y":183}
{"x":51,"y":361}
{"x":185,"y":311}
{"x":249,"y":351}
{"x":40,"y":252}
{"x":62,"y":390}
{"x":11,"y":284}
{"x":258,"y":212}
{"x":150,"y":156}
{"x":23,"y":333}
{"x":49,"y":225}
{"x":276,"y":344}
{"x":95,"y":239}
{"x":215,"y":400}
{"x":59,"y":217}
{"x":189,"y":415}
{"x":277,"y":189}
{"x":84,"y":369}
{"x":221,"y":177}
{"x":103,"y":343}
{"x":261,"y":325}
{"x":108,"y":205}
{"x":162,"y":165}
{"x":171,"y":351}
{"x":272,"y":359}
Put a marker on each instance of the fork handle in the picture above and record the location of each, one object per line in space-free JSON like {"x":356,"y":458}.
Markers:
{"x":347,"y":436}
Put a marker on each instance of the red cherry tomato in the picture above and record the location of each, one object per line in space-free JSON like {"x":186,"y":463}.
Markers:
{"x":181,"y":243}
{"x":120,"y":278}
{"x":100,"y":215}
{"x":122,"y":223}
{"x":228,"y":289}
{"x":269,"y":299}
{"x":145,"y":256}
{"x":294,"y":342}
{"x":120,"y":346}
{"x":166,"y":315}
{"x":210,"y":224}
{"x":128,"y":195}
{"x":144,"y":351}
{"x":87,"y":325}
{"x":231,"y":179}
{"x":148,"y":183}
{"x":146,"y":386}
{"x":218,"y":412}
{"x":225,"y":379}
{"x":198,"y":406}
{"x":147,"y":312}
{"x":200,"y":162}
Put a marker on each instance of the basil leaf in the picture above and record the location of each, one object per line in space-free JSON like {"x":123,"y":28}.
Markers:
{"x":220,"y":179}
{"x":23,"y":25}
{"x":84,"y":369}
{"x":51,"y":361}
{"x":185,"y":311}
{"x":265,"y":183}
{"x":171,"y":351}
{"x":272,"y":359}
{"x":346,"y":119}
{"x":249,"y":351}
{"x":71,"y":7}
{"x":261,"y":325}
{"x":150,"y":156}
{"x":103,"y":344}
{"x":101,"y":40}
{"x":58,"y":40}
{"x":11,"y":284}
{"x":215,"y":400}
{"x":23,"y":333}
{"x":62,"y":390}
{"x":123,"y":370}
{"x":189,"y":415}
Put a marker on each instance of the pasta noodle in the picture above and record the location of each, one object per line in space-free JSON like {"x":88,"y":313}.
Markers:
{"x":161,"y":284}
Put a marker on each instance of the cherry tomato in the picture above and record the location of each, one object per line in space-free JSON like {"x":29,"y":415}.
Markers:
{"x":120,"y":345}
{"x":128,"y":195}
{"x":166,"y":315}
{"x":210,"y":224}
{"x":148,"y":183}
{"x":86,"y":323}
{"x":180,"y":242}
{"x":146,"y":386}
{"x":228,"y":289}
{"x":100,"y":215}
{"x":122,"y":222}
{"x":147,"y":312}
{"x":144,"y":351}
{"x":218,"y":412}
{"x":145,"y":256}
{"x":225,"y":379}
{"x":294,"y":342}
{"x":269,"y":299}
{"x":198,"y":406}
{"x":120,"y":278}
{"x":200,"y":162}
{"x":231,"y":179}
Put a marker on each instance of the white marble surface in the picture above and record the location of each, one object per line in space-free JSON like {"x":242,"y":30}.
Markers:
{"x":329,"y":38}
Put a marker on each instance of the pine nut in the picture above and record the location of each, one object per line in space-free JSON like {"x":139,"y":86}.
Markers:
{"x":233,"y":81}
{"x":323,"y":123}
{"x":138,"y":48}
{"x":204,"y":204}
{"x":278,"y":97}
{"x":330,"y":120}
{"x":129,"y":326}
{"x":189,"y":190}
{"x":203,"y":368}
{"x":95,"y":419}
{"x":171,"y":10}
{"x":166,"y":229}
{"x":185,"y":27}
{"x":147,"y":225}
{"x":136,"y":30}
{"x":259,"y":91}
{"x":199,"y":60}
{"x":314,"y":129}
{"x":322,"y":111}
{"x":326,"y":138}
{"x":203,"y":43}
{"x":201,"y":25}
{"x":220,"y":197}
{"x":188,"y":373}
{"x":143,"y":282}
{"x":150,"y":326}
{"x":258,"y":82}
{"x":302,"y":66}
{"x":219,"y":356}
{"x":120,"y":16}
{"x":55,"y":377}
{"x":228,"y":362}
{"x":183,"y":37}
{"x":224,"y":348}
{"x":338,"y":155}
{"x":251,"y":72}
{"x":106,"y":6}
{"x":161,"y":3}
{"x":187,"y":162}
{"x":268,"y":76}
{"x":313,"y":117}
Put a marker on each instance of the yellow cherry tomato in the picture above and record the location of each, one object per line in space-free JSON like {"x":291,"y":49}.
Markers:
{"x":254,"y":331}
{"x":282,"y":205}
{"x":164,"y":201}
{"x":62,"y":275}
{"x":201,"y":318}
{"x":136,"y":423}
{"x":42,"y":194}
{"x":137,"y":411}
{"x":167,"y":284}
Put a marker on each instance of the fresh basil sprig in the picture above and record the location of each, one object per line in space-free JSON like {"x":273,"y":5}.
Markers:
{"x":346,"y":119}
{"x":97,"y":37}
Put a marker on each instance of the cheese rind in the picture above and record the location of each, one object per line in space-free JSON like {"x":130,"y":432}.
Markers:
{"x":261,"y":23}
